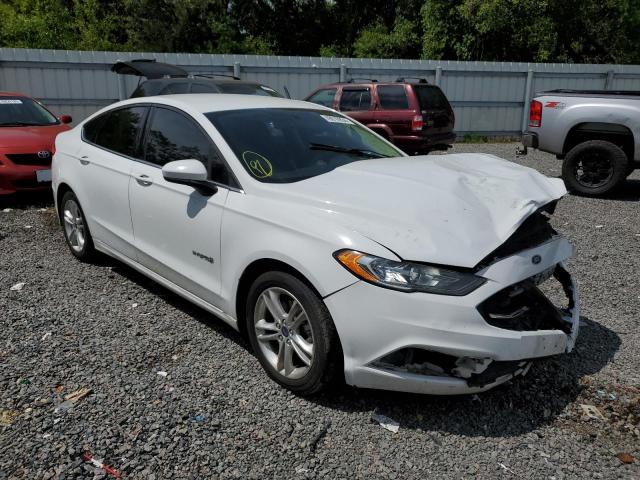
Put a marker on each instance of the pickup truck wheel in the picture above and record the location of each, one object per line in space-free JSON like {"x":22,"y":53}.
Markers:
{"x":292,"y":333}
{"x":595,"y":167}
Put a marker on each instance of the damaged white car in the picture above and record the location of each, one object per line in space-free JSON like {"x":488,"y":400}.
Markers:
{"x":332,"y":250}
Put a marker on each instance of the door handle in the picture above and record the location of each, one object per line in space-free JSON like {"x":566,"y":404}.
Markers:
{"x":144,"y":180}
{"x":84,"y":160}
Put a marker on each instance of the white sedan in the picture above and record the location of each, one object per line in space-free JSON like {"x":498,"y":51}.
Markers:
{"x":336,"y":254}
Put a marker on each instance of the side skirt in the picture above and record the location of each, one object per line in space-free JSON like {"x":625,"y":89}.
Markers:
{"x":167,"y":284}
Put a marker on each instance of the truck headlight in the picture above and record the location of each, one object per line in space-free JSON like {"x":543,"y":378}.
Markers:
{"x":408,"y":276}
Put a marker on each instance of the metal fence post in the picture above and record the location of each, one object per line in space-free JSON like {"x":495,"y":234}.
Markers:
{"x":608,"y":83}
{"x":527,"y":99}
{"x":343,"y":73}
{"x":236,"y":69}
{"x":122,"y":87}
{"x":438,"y":75}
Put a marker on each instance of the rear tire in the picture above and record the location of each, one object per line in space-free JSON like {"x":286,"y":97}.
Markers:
{"x":594,"y":168}
{"x":75,"y":228}
{"x":292,"y":333}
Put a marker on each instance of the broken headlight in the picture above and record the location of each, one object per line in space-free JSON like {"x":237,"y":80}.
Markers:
{"x":408,"y":276}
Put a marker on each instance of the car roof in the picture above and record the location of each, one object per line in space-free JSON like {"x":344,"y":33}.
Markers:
{"x":376,"y":82}
{"x":13,"y":94}
{"x":198,"y":78}
{"x":216,"y":102}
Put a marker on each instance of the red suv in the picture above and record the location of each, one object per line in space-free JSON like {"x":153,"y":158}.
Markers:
{"x":416,"y":116}
{"x":27,"y":134}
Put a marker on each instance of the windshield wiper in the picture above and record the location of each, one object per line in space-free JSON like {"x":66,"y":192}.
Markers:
{"x":351,"y":151}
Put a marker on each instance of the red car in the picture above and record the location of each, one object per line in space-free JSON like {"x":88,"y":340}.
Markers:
{"x":416,"y":116}
{"x":27,"y":135}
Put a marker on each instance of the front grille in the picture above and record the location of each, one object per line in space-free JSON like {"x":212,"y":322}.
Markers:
{"x":28,"y":159}
{"x":533,"y":231}
{"x":522,"y":307}
{"x":29,"y":183}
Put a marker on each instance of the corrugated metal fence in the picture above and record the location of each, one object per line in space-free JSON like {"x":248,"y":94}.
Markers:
{"x":489,"y":98}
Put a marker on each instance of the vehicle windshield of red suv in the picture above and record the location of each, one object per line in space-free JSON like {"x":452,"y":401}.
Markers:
{"x":23,"y":111}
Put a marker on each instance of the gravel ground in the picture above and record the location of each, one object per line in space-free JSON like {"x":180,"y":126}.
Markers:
{"x":216,"y":415}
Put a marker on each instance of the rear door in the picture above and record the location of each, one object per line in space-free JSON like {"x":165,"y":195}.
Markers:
{"x":177,"y":229}
{"x":392,"y":108}
{"x":109,"y":150}
{"x":357,"y":103}
{"x":435,"y":109}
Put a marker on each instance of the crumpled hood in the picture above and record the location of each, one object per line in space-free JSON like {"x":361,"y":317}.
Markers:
{"x":446,"y":209}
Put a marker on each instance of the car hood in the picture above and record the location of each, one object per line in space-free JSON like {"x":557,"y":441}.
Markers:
{"x":446,"y":209}
{"x":37,"y":137}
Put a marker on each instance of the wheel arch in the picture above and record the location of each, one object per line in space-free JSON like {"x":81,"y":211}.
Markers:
{"x":615,"y":133}
{"x":253,"y":271}
{"x":62,"y":189}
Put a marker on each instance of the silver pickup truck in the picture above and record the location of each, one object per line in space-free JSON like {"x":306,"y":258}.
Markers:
{"x":595,"y":132}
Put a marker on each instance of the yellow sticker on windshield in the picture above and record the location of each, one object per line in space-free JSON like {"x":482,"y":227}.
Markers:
{"x":258,"y":165}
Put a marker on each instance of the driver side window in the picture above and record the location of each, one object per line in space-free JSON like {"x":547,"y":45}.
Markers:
{"x":173,"y":136}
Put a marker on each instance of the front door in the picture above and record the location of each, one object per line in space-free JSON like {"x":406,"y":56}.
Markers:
{"x":177,"y":229}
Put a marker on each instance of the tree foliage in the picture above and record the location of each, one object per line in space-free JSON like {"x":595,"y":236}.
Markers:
{"x":589,"y":31}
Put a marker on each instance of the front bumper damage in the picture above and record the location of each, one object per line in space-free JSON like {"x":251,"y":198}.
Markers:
{"x":437,"y":344}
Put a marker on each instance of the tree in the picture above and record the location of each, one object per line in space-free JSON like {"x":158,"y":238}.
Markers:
{"x":585,"y":31}
{"x":78,"y":24}
{"x":377,"y":41}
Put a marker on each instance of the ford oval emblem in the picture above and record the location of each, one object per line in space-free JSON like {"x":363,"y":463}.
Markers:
{"x":536,"y":259}
{"x":44,"y":154}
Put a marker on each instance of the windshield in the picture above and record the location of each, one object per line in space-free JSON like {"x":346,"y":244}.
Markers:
{"x":248,"y":89}
{"x":22,"y":111}
{"x":278,"y":145}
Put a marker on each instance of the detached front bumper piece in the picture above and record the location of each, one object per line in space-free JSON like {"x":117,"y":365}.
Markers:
{"x":437,"y":344}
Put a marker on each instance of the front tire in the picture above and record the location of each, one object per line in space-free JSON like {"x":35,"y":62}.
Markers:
{"x":75,"y":228}
{"x":292,"y":333}
{"x":594,"y":168}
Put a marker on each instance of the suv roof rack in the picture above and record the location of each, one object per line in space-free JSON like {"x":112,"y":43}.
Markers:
{"x":420,"y":80}
{"x":352,"y":80}
{"x":210,"y":75}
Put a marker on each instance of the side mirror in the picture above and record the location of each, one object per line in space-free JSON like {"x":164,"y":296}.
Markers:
{"x":65,"y":118}
{"x":189,"y":172}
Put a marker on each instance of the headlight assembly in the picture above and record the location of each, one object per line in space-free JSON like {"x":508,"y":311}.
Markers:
{"x":407,"y":276}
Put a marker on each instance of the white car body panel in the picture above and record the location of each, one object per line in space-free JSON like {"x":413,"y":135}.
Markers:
{"x":446,"y":209}
{"x":177,"y":231}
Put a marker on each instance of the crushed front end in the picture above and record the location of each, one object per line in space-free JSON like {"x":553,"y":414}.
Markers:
{"x":438,"y":344}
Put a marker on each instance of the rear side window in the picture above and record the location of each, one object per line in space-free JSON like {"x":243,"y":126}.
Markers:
{"x":118,"y":130}
{"x":174,"y":88}
{"x":173,"y":136}
{"x":353,"y":99}
{"x":147,"y":89}
{"x":431,"y":98}
{"x":203,"y":88}
{"x":92,"y":127}
{"x":393,"y":97}
{"x":323,"y":97}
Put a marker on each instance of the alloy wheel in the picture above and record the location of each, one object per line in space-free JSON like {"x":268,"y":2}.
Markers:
{"x":284,"y":332}
{"x":74,"y":227}
{"x":593,"y":170}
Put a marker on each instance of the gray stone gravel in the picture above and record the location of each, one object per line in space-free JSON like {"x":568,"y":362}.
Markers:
{"x":216,"y":415}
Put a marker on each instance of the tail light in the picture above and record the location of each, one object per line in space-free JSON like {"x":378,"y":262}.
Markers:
{"x":535,"y":114}
{"x":417,"y":123}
